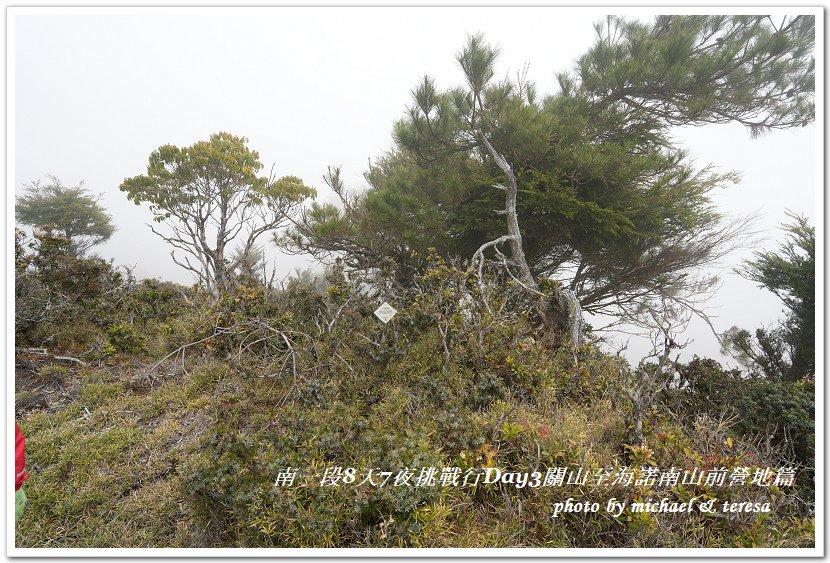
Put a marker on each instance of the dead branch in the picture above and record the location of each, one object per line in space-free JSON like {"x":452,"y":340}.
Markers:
{"x":179,"y":350}
{"x":44,"y":352}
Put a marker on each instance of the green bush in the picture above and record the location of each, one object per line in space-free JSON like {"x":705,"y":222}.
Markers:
{"x":57,"y":291}
{"x":125,"y":338}
{"x":154,"y":300}
{"x":782,"y":412}
{"x":308,"y":378}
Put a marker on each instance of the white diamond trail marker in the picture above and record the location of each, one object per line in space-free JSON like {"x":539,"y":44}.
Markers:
{"x":385,"y":312}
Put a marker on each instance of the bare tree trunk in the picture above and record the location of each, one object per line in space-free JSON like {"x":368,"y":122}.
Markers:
{"x":511,"y":193}
{"x":644,"y":384}
{"x":563,"y":312}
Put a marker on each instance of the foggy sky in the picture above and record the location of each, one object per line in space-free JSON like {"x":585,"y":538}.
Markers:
{"x":95,"y":91}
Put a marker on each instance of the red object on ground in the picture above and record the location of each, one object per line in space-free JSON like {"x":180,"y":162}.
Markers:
{"x":19,"y":457}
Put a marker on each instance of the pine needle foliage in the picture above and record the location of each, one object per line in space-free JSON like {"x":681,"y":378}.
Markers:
{"x":608,"y":205}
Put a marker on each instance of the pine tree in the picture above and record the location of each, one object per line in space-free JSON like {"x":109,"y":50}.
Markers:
{"x":786,"y":351}
{"x":606,"y":203}
{"x":70,"y":212}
